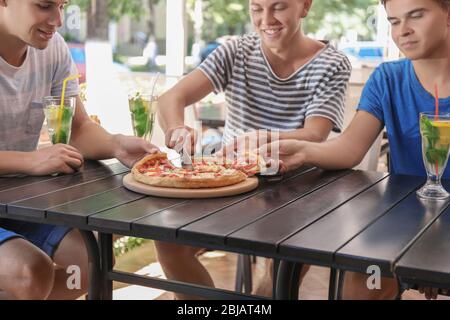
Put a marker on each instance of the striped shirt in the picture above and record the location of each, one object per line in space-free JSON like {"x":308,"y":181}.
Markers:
{"x":257,"y":98}
{"x":23,"y":88}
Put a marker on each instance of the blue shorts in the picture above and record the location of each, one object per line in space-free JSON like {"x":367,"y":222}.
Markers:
{"x":44,"y":236}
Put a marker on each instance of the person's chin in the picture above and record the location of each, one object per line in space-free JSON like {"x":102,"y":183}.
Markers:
{"x":39,"y":44}
{"x":274,"y":45}
{"x":414,"y":55}
{"x":270,"y":42}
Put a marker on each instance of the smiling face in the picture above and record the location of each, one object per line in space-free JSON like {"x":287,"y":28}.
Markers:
{"x":420,"y":28}
{"x":32,"y":21}
{"x":278,"y":21}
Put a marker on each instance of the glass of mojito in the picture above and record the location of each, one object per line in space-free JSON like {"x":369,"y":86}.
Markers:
{"x":59,"y":119}
{"x":143,"y":113}
{"x":435,"y":132}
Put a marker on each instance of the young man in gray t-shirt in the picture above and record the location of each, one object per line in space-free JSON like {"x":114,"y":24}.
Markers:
{"x":34,"y":61}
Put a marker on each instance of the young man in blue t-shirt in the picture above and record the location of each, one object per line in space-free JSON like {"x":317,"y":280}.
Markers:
{"x":393,"y":98}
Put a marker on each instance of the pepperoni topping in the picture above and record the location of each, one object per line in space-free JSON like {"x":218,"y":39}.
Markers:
{"x":249,"y":166}
{"x":202,"y":168}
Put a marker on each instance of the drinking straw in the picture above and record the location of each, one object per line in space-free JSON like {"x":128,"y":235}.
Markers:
{"x":151,"y":99}
{"x":154,"y":83}
{"x":436,"y":95}
{"x":61,"y":106}
{"x":436,"y":117}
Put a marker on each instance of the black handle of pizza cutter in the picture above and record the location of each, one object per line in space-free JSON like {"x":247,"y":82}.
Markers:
{"x":273,"y":177}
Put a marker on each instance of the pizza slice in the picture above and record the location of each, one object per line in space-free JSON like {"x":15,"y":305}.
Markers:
{"x":249,"y":163}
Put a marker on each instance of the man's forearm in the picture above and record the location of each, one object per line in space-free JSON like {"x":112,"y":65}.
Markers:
{"x":333,"y":154}
{"x":170,"y":112}
{"x":300,"y":134}
{"x":13,"y":162}
{"x":94,"y":142}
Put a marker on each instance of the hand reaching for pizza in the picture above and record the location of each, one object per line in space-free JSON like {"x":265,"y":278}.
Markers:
{"x":181,"y":138}
{"x":129,"y":149}
{"x":287,"y":155}
{"x":58,"y":158}
{"x":249,"y":142}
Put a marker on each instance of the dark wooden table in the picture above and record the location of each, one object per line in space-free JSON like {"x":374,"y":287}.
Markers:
{"x":345,"y":220}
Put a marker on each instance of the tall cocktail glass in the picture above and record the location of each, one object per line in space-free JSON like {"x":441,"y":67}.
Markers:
{"x":59,"y":119}
{"x":435,"y":132}
{"x":143,"y":109}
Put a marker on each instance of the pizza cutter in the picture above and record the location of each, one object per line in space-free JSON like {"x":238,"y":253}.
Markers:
{"x":183,"y":160}
{"x":186,"y":161}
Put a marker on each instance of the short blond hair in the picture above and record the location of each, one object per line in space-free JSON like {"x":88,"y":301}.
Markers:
{"x":444,"y":3}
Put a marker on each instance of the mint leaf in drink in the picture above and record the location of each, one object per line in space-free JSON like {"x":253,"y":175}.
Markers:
{"x":442,"y":155}
{"x":141,"y":129}
{"x":66,"y":115}
{"x":438,"y":155}
{"x":60,"y":138}
{"x":138,"y":106}
{"x":430,"y":132}
{"x":54,"y":139}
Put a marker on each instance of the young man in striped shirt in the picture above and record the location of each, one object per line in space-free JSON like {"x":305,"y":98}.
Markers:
{"x":277,"y":79}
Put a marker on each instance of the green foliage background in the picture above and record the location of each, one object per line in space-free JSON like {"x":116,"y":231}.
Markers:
{"x":334,"y":17}
{"x":222,"y":17}
{"x":119,"y":8}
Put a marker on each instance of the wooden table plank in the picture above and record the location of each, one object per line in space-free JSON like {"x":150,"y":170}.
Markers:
{"x":120,"y":218}
{"x":266,"y":234}
{"x":318,"y":242}
{"x":164,"y":224}
{"x":34,"y":198}
{"x":77,"y":212}
{"x":7,"y":183}
{"x":20,"y":181}
{"x":214,"y":228}
{"x":384,"y":241}
{"x":65,"y":181}
{"x":427,"y":261}
{"x":49,"y":200}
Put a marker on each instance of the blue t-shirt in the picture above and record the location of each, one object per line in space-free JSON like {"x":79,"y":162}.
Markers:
{"x":394,"y":95}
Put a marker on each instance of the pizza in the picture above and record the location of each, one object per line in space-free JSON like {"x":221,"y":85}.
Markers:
{"x":206,"y":172}
{"x":249,"y":163}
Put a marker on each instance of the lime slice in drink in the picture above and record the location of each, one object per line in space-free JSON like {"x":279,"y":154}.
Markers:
{"x":444,"y":131}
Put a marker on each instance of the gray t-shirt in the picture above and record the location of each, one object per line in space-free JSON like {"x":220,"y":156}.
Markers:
{"x":23,"y":88}
{"x":257,"y":98}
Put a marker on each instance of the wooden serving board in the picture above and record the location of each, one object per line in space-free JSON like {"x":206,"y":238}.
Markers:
{"x":242,"y":187}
